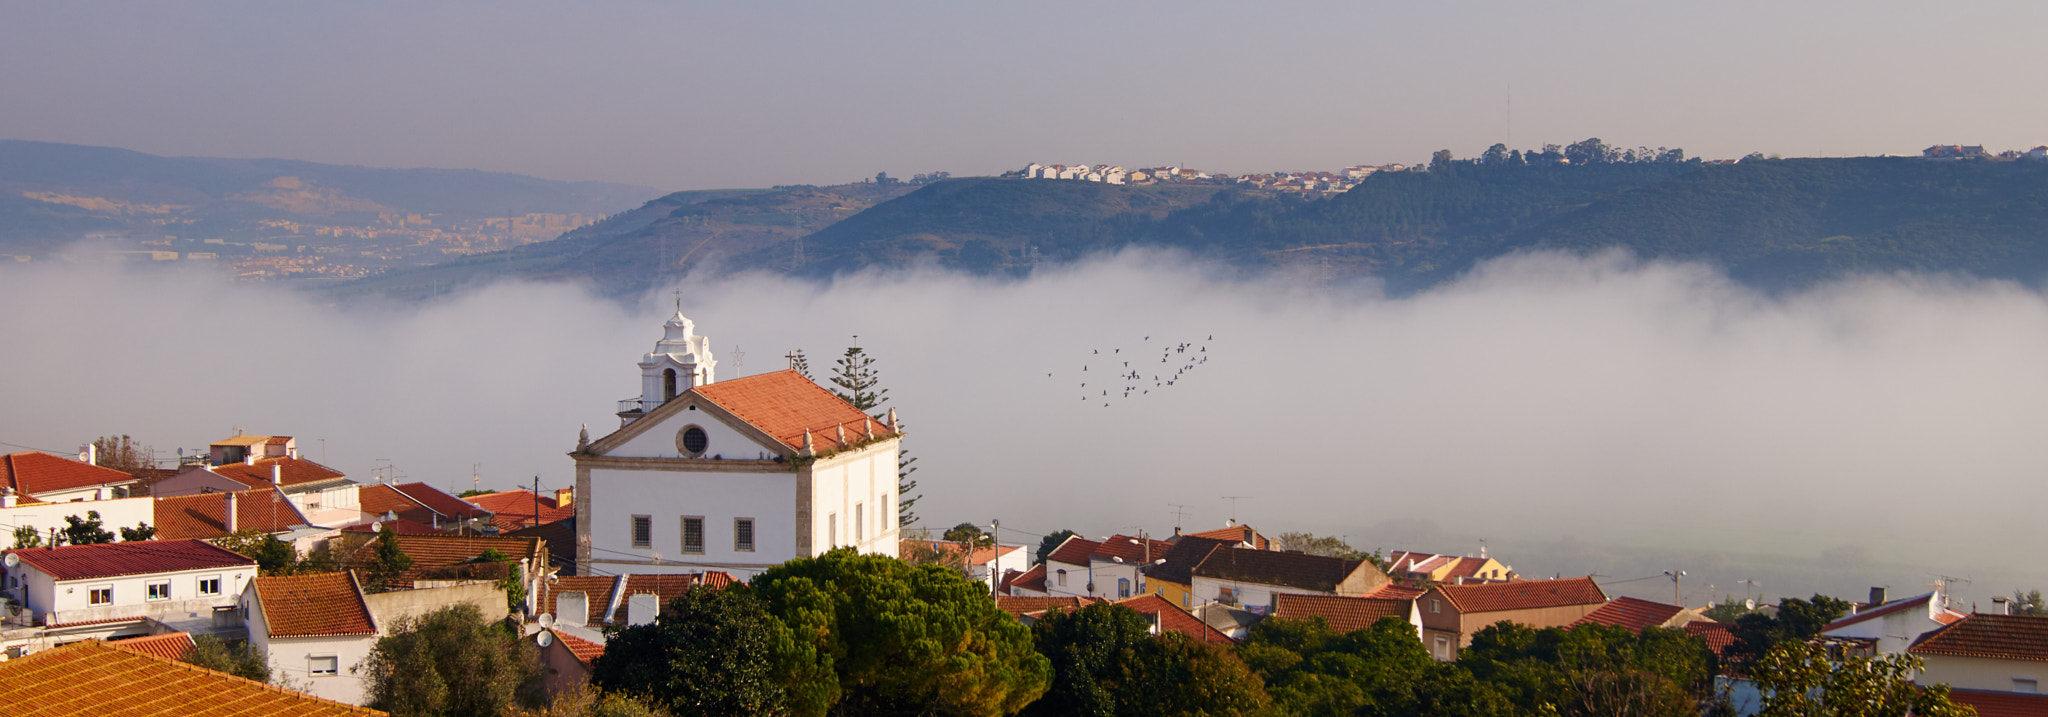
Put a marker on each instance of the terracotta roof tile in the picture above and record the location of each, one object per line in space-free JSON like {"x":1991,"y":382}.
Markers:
{"x":1022,"y":605}
{"x":1270,"y":567}
{"x":1523,"y":595}
{"x":94,"y":678}
{"x":447,"y":505}
{"x":1632,"y":613}
{"x":2001,"y":704}
{"x":168,"y":646}
{"x":584,"y":650}
{"x":314,"y":605}
{"x":518,"y":501}
{"x":1033,"y":579}
{"x":433,"y":554}
{"x":784,"y":404}
{"x":1180,"y":562}
{"x":1917,"y":602}
{"x":1129,"y":549}
{"x":1236,"y":534}
{"x":1996,"y":637}
{"x":1073,"y":551}
{"x":1718,"y":635}
{"x":561,"y":538}
{"x":142,"y":557}
{"x":666,"y":587}
{"x":1343,"y":614}
{"x":294,"y":471}
{"x":199,"y":515}
{"x":380,"y":499}
{"x":1173,"y":619}
{"x":597,"y":591}
{"x":33,"y":472}
{"x":1396,"y":591}
{"x":401,"y":526}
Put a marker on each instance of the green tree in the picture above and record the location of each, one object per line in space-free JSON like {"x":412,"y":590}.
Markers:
{"x":1106,"y":662}
{"x":588,"y":701}
{"x":872,"y":634}
{"x":1383,"y":669}
{"x":141,"y":531}
{"x":1594,"y":670}
{"x":712,"y":652}
{"x":237,"y":658}
{"x":855,"y":381}
{"x":27,"y":537}
{"x":1052,"y":542}
{"x":1440,"y":161}
{"x":452,"y":662}
{"x":800,"y":364}
{"x":1327,"y":545}
{"x":1757,"y":633}
{"x":123,"y":454}
{"x":2028,"y":603}
{"x":272,"y":556}
{"x":969,"y":534}
{"x":388,"y":564}
{"x":1496,"y":155}
{"x":1800,"y":680}
{"x":84,"y":531}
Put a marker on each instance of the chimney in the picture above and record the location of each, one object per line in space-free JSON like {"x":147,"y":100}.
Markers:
{"x":230,"y":521}
{"x":1876,"y":596}
{"x":7,"y":497}
{"x":564,"y":497}
{"x":1230,"y":523}
{"x":2001,"y":606}
{"x":277,"y":473}
{"x":249,"y":459}
{"x":90,"y":454}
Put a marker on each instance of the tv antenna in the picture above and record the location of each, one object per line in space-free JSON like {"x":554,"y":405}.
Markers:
{"x":739,"y":359}
{"x":1233,"y":505}
{"x":1179,"y":512}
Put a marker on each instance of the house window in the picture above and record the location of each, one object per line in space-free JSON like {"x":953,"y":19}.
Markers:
{"x":1123,"y":587}
{"x":2029,"y":685}
{"x":1186,"y":599}
{"x":832,"y":529}
{"x":643,"y":531}
{"x":882,"y":517}
{"x":102,"y":595}
{"x":1226,"y":595}
{"x":1063,"y":578}
{"x":1443,"y":648}
{"x":693,"y":534}
{"x":160,"y":590}
{"x":209,"y":585}
{"x":1435,"y":606}
{"x":323,"y":665}
{"x":743,"y":535}
{"x":692,"y":441}
{"x":860,"y":526}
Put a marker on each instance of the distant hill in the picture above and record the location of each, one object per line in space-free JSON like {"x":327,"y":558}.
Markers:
{"x":51,"y":194}
{"x":1773,"y":223}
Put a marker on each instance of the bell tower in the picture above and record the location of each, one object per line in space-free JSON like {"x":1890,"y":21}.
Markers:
{"x":680,"y":360}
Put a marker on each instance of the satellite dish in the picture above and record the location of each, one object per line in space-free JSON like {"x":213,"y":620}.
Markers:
{"x":546,"y":620}
{"x":13,"y":560}
{"x":544,"y":638}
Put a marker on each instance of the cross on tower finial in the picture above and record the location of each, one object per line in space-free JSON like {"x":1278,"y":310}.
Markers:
{"x":679,"y":301}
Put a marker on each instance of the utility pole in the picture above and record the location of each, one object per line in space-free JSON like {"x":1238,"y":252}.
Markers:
{"x":995,"y":533}
{"x":536,"y":500}
{"x":1676,"y":597}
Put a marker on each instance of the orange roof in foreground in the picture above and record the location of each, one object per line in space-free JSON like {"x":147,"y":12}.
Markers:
{"x":784,"y":404}
{"x":168,"y":646}
{"x":35,"y":472}
{"x":199,"y":515}
{"x":93,"y":678}
{"x":584,"y":650}
{"x":314,"y":605}
{"x":1523,"y":595}
{"x":294,"y":471}
{"x":1342,"y":614}
{"x":1995,"y":637}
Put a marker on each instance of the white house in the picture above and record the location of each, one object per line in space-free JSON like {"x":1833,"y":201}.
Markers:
{"x":325,"y":496}
{"x":1251,"y":578}
{"x":1990,"y":658}
{"x":41,"y":517}
{"x":1066,"y":568}
{"x":110,"y":588}
{"x":1113,"y":565}
{"x":314,"y":629}
{"x":1893,"y":626}
{"x":41,"y":477}
{"x":732,"y":475}
{"x":984,"y":564}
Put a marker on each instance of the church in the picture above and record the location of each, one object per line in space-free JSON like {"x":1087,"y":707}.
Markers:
{"x":734,"y":475}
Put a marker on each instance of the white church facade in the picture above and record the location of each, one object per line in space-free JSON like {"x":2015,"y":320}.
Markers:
{"x":732,"y":475}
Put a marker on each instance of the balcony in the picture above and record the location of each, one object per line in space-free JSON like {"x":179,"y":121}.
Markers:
{"x":634,"y":405}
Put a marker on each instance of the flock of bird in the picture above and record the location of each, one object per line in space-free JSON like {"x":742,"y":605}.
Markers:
{"x":1124,"y":381}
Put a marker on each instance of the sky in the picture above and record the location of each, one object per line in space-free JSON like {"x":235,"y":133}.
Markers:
{"x":1579,"y":415}
{"x":694,"y":95}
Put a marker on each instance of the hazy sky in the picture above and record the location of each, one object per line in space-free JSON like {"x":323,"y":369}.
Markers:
{"x":682,"y":95}
{"x":1580,"y":415}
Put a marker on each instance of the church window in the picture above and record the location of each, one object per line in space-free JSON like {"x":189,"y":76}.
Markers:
{"x":693,"y":534}
{"x":860,"y":525}
{"x":643,"y":531}
{"x":882,"y":516}
{"x":668,"y":384}
{"x":692,"y":441}
{"x":832,"y":529}
{"x":743,"y":535}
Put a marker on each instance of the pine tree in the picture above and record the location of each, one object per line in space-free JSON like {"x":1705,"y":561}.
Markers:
{"x":800,"y":364}
{"x":855,"y":381}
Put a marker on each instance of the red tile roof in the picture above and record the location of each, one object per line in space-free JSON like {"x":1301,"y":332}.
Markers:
{"x":1129,"y":549}
{"x":1523,"y":595}
{"x":1272,"y":567}
{"x":1173,"y":619}
{"x":433,"y":554}
{"x":1632,"y":613}
{"x":597,"y":591}
{"x":168,"y":646}
{"x":1022,"y":605}
{"x":584,"y":650}
{"x":294,"y":471}
{"x":1180,"y":563}
{"x":561,"y":538}
{"x":1343,"y":614}
{"x":402,"y":526}
{"x":514,"y":509}
{"x":447,"y":505}
{"x":666,"y":588}
{"x":142,"y":557}
{"x":1033,"y":579}
{"x":314,"y":605}
{"x":1718,"y":635}
{"x":1396,"y":591}
{"x":1996,"y":637}
{"x":2001,"y":704}
{"x":200,"y":515}
{"x":1919,"y":602}
{"x":30,"y":473}
{"x":784,"y":404}
{"x":380,"y":499}
{"x":1236,"y":534}
{"x":1073,"y":551}
{"x":94,"y":678}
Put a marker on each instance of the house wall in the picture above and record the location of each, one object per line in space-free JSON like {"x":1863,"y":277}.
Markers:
{"x":1975,"y":673}
{"x":290,"y":657}
{"x":1107,"y":573}
{"x":1076,"y":583}
{"x":659,"y":441}
{"x":1254,"y":597}
{"x":115,"y":513}
{"x":390,"y":607}
{"x":69,"y":601}
{"x":616,"y":495}
{"x":1173,"y":592}
{"x":89,"y":493}
{"x":1364,"y":579}
{"x":860,"y":488}
{"x":565,"y":673}
{"x":1894,"y":632}
{"x":1446,"y":621}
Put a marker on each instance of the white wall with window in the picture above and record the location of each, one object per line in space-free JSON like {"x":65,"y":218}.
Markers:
{"x":183,"y":599}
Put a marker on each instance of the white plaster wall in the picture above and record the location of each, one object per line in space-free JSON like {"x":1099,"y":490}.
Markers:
{"x":71,"y":600}
{"x":618,"y":495}
{"x":1971,"y":673}
{"x":659,"y":441}
{"x":1250,"y":596}
{"x":1894,"y":633}
{"x":862,"y":479}
{"x":116,"y":513}
{"x":1108,"y":572}
{"x":290,"y":658}
{"x":1077,"y":579}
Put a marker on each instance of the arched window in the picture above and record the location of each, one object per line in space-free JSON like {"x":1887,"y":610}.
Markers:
{"x":668,"y":384}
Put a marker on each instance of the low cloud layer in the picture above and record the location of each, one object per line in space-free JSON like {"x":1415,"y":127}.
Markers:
{"x":1589,"y":414}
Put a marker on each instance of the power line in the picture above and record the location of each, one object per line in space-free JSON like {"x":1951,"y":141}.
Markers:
{"x":32,"y":448}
